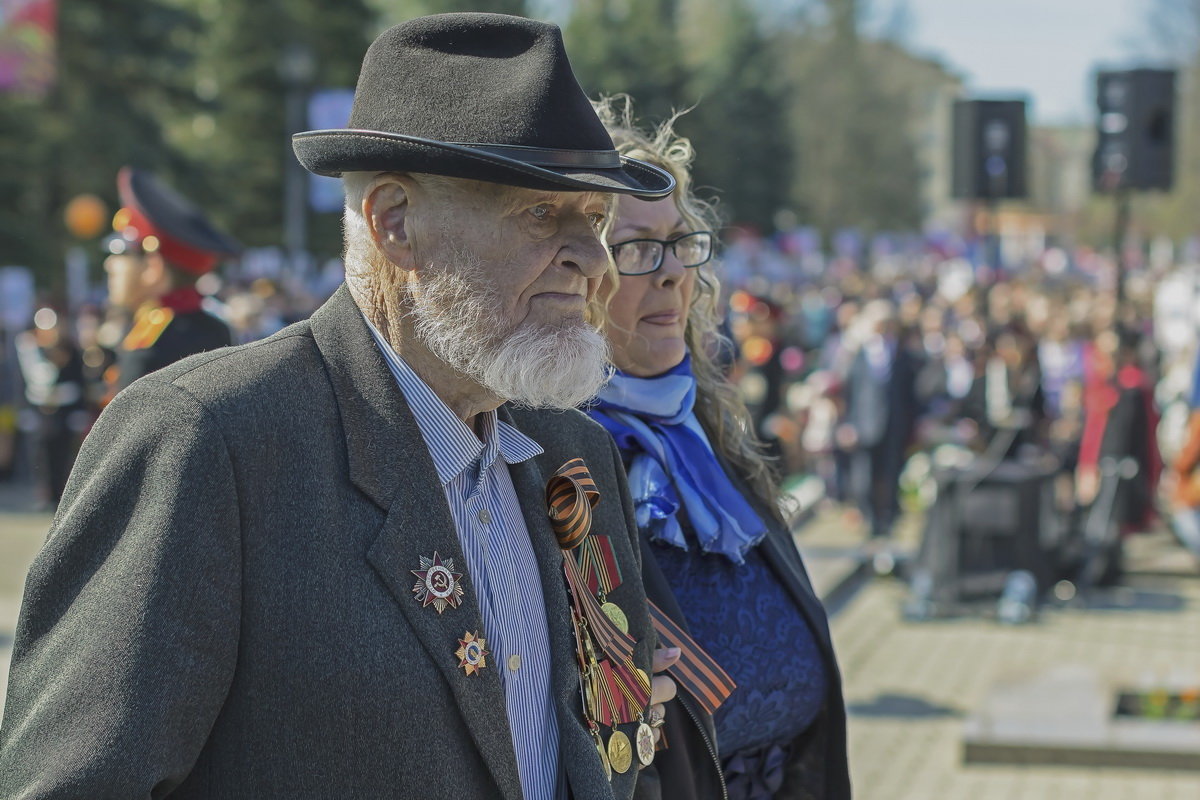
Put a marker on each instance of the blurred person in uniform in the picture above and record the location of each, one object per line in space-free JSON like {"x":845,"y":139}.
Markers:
{"x":162,"y":244}
{"x":717,"y":556}
{"x":880,"y":417}
{"x":330,"y":563}
{"x":52,"y":370}
{"x":98,"y":359}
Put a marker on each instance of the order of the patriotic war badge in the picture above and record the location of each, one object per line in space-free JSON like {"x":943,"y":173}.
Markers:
{"x":437,"y":583}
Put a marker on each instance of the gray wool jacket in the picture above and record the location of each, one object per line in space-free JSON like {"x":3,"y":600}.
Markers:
{"x":224,"y":606}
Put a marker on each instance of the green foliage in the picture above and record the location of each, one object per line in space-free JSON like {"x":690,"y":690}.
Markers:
{"x":394,"y":11}
{"x":123,"y":66}
{"x":737,"y":121}
{"x":785,"y":109}
{"x":855,"y":160}
{"x":242,"y":139}
{"x":619,"y":46}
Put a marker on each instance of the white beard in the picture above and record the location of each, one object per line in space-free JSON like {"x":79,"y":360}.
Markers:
{"x":455,"y":314}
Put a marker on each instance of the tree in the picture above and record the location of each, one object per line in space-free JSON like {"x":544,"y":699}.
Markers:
{"x":241,"y":138}
{"x":738,"y":122}
{"x":616,"y":48}
{"x":855,"y":162}
{"x":400,"y":10}
{"x":123,"y":68}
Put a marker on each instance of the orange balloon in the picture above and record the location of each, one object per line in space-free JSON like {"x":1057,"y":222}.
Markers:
{"x":86,"y":216}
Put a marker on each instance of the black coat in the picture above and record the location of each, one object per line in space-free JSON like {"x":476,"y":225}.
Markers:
{"x":690,"y":766}
{"x":187,"y":333}
{"x":224,"y":607}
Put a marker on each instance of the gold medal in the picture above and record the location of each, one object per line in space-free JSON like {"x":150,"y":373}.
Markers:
{"x":645,"y":743}
{"x":603,"y":757}
{"x":616,"y":616}
{"x":620,"y":752}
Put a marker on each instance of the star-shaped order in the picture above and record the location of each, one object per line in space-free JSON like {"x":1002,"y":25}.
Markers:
{"x":471,"y":652}
{"x":438,"y":585}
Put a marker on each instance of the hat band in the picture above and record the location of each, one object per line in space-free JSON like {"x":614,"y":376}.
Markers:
{"x":547,"y":157}
{"x":190,"y":259}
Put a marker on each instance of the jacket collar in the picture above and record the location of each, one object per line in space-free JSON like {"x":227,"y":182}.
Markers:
{"x":390,"y":463}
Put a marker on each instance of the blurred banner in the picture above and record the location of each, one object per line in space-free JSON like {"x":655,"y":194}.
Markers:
{"x":27,"y":45}
{"x":327,"y":108}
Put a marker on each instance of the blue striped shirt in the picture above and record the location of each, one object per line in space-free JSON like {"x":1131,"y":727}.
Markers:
{"x":473,"y":471}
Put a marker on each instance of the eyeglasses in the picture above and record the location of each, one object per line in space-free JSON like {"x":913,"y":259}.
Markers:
{"x":643,"y":256}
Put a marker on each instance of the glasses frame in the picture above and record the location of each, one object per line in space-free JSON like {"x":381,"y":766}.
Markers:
{"x":663,"y":244}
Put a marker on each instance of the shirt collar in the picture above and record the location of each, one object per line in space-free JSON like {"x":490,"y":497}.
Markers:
{"x":452,"y":444}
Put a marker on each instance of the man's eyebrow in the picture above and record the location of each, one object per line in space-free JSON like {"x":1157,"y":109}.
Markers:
{"x":679,"y":223}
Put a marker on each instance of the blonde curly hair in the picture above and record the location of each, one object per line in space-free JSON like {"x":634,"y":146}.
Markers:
{"x":719,"y":405}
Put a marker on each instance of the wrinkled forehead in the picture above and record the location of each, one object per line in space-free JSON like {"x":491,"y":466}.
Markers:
{"x":470,"y":193}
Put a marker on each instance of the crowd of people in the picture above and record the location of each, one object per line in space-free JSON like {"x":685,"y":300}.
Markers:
{"x":611,"y":610}
{"x":849,"y":372}
{"x":870,"y":376}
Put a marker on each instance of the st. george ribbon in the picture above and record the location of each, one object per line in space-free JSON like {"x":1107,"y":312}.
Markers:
{"x":619,"y":691}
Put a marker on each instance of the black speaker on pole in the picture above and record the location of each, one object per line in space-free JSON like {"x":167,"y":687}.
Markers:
{"x":989,"y":149}
{"x":1135,"y":130}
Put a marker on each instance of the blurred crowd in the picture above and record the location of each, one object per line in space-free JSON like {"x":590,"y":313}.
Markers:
{"x":870,"y":379}
{"x":58,"y":374}
{"x":865,"y":373}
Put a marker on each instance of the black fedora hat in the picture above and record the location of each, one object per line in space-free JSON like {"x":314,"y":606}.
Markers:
{"x":483,"y":96}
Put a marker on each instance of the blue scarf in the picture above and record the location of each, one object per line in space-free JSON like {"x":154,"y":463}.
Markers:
{"x":674,"y":465}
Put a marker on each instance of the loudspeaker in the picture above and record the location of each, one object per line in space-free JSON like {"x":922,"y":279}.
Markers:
{"x":989,"y":149}
{"x":1135,"y":130}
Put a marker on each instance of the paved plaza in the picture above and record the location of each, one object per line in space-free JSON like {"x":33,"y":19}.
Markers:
{"x":909,"y":686}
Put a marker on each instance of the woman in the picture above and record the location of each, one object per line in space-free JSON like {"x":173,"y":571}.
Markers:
{"x":717,"y":556}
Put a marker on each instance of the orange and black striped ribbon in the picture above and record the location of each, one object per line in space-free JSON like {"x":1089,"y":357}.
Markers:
{"x":598,"y":565}
{"x":612,"y":640}
{"x":695,"y":671}
{"x":570,"y":496}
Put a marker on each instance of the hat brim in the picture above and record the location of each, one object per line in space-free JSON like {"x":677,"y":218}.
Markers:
{"x":336,"y":151}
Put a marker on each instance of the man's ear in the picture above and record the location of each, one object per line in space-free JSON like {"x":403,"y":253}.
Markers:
{"x":387,"y":207}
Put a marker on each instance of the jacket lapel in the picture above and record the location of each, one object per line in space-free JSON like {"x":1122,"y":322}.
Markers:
{"x":390,"y":463}
{"x":577,"y":751}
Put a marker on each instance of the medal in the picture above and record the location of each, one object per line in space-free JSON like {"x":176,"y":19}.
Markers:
{"x":645,"y":744}
{"x":614,"y":613}
{"x":603,"y":756}
{"x":438,"y":585}
{"x":472,"y":656}
{"x":620,"y":752}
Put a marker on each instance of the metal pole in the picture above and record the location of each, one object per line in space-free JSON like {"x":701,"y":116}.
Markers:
{"x":1122,"y":225}
{"x":296,"y":68}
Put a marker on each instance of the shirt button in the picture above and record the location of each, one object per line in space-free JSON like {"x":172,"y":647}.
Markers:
{"x":484,"y":516}
{"x":514,"y":662}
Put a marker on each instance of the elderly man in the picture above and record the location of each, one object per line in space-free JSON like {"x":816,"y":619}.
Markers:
{"x":323,"y":565}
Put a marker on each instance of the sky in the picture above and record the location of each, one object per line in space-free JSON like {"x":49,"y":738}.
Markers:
{"x":1045,"y":49}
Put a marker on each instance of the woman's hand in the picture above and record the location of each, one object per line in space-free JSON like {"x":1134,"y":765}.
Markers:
{"x":662,"y":688}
